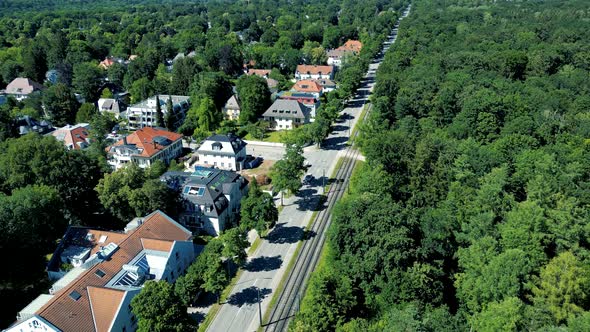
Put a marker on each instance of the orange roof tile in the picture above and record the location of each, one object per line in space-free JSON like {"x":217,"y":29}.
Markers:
{"x":155,"y":244}
{"x":68,"y":314}
{"x":144,"y":139}
{"x":314,"y":70}
{"x":307,"y":86}
{"x":104,"y":303}
{"x":351,"y":45}
{"x":259,"y":72}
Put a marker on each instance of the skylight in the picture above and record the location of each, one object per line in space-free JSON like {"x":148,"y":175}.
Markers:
{"x":75,"y":295}
{"x":100,"y":273}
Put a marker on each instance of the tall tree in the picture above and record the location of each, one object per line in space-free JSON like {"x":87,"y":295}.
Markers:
{"x":170,"y":114}
{"x":34,"y":64}
{"x":286,"y":173}
{"x":254,"y":97}
{"x":235,"y":242}
{"x":60,"y":104}
{"x":159,"y":113}
{"x":87,"y":81}
{"x":258,"y":210}
{"x":158,"y":308}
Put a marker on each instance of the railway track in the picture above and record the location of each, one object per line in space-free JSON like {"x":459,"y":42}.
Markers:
{"x":290,"y":296}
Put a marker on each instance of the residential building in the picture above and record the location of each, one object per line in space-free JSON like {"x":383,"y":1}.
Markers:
{"x":286,"y":114}
{"x":26,"y":124}
{"x":144,"y":146}
{"x":110,"y":268}
{"x":110,"y":105}
{"x":222,"y":151}
{"x":338,"y":56}
{"x":107,"y":62}
{"x":264,"y":73}
{"x":307,"y":99}
{"x":327,"y":85}
{"x":211,"y":198}
{"x":21,"y":87}
{"x":308,"y":86}
{"x":143,"y":114}
{"x":231,"y":110}
{"x":304,"y":72}
{"x":76,"y":137}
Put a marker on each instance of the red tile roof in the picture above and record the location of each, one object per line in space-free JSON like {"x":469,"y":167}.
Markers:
{"x":314,"y":70}
{"x":307,"y":86}
{"x":68,"y":314}
{"x":259,"y":72}
{"x":351,"y":45}
{"x":144,"y":139}
{"x":74,"y":136}
{"x":104,"y":303}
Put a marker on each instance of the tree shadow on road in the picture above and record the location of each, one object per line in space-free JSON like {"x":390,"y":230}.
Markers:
{"x":248,"y":296}
{"x":282,"y":234}
{"x":309,"y":200}
{"x":264,"y":263}
{"x":197,"y":316}
{"x":334,"y":143}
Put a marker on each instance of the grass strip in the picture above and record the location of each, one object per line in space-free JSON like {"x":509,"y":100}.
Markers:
{"x":356,"y":125}
{"x":334,"y":172}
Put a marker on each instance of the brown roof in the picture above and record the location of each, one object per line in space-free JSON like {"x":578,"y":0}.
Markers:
{"x":106,"y":63}
{"x":259,"y":72}
{"x":23,"y":86}
{"x":351,"y":45}
{"x":155,"y":244}
{"x":74,"y":136}
{"x":104,"y":303}
{"x":307,"y":86}
{"x":68,"y":314}
{"x":114,"y":237}
{"x":144,"y":139}
{"x":313,"y":70}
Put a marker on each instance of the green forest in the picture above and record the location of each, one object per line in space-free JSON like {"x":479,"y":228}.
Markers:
{"x":60,"y":43}
{"x":471,"y":211}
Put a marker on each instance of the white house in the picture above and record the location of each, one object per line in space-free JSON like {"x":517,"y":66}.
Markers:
{"x":337,"y":57}
{"x":286,"y":114}
{"x":212,"y":197}
{"x":110,"y":105}
{"x":232,"y":108}
{"x":143,"y":114}
{"x":21,"y":87}
{"x":304,"y":72}
{"x":222,"y":151}
{"x":96,"y":295}
{"x":144,"y":146}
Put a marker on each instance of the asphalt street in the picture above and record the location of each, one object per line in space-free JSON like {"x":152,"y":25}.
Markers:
{"x":266,"y":267}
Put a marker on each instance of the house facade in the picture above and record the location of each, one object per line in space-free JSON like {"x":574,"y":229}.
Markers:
{"x":76,"y":137}
{"x":143,"y":114}
{"x":144,"y":146}
{"x":286,"y":114}
{"x":338,"y":56}
{"x":306,"y":99}
{"x":21,"y":87}
{"x":211,"y":198}
{"x":96,"y":295}
{"x":304,"y":72}
{"x":312,"y":87}
{"x":231,"y":109}
{"x":222,"y":151}
{"x":110,"y":105}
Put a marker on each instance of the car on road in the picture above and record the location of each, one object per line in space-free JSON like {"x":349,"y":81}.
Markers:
{"x":307,"y":179}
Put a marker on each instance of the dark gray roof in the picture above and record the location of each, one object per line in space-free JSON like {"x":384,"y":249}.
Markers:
{"x":283,"y":108}
{"x":237,"y":144}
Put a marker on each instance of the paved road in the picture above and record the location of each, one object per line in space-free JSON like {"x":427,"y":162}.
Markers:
{"x":267,"y":266}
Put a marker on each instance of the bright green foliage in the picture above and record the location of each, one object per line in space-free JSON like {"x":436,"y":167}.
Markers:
{"x":158,"y":308}
{"x":129,"y":193}
{"x":563,"y":286}
{"x":235,"y":242}
{"x":505,"y":316}
{"x":258,"y":210}
{"x":254,"y":97}
{"x":159,"y":113}
{"x":86,"y":112}
{"x":286,"y":173}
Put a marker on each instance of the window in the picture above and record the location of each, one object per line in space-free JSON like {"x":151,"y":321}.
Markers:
{"x":222,"y":164}
{"x":100,"y":273}
{"x":75,"y":295}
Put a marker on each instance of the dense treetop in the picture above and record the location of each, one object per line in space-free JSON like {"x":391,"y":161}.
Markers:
{"x":472,"y":209}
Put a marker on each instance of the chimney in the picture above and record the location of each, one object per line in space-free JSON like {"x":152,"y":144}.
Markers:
{"x":155,"y":145}
{"x":124,"y":140}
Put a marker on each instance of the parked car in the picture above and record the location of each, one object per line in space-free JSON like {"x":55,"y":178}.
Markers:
{"x":252,"y":162}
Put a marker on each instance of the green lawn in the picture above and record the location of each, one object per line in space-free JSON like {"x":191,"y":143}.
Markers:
{"x":269,"y":136}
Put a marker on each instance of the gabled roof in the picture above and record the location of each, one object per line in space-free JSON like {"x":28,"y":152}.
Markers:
{"x":232,"y":103}
{"x":259,"y":72}
{"x":324,"y":82}
{"x":314,"y":70}
{"x":72,"y":308}
{"x":74,"y":137}
{"x":104,"y":303}
{"x":236,"y":143}
{"x":283,"y":108}
{"x":307,"y":86}
{"x":351,"y":45}
{"x":23,"y":86}
{"x":147,"y":141}
{"x":106,"y":63}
